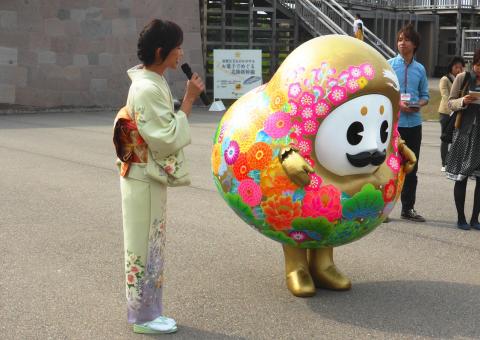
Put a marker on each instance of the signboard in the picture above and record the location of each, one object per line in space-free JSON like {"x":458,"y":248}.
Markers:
{"x":235,"y":72}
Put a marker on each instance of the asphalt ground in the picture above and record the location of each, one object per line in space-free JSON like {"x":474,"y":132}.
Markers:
{"x":62,"y":251}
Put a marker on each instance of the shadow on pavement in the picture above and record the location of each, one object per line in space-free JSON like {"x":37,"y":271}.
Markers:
{"x":193,"y":333}
{"x":421,"y":308}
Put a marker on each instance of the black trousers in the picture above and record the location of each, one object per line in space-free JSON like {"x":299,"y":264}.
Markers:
{"x":443,"y":146}
{"x":413,"y":138}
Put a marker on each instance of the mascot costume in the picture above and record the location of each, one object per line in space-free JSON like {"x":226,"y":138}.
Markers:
{"x":313,"y":158}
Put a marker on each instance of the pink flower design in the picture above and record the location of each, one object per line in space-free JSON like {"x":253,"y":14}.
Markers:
{"x":307,"y":99}
{"x":322,"y":108}
{"x":344,"y":75}
{"x":232,"y":152}
{"x":318,"y":92}
{"x":277,"y":125}
{"x":309,"y":160}
{"x":395,"y":130}
{"x":315,"y":182}
{"x":332,"y":82}
{"x":250,"y":192}
{"x":305,"y":147}
{"x":298,"y":235}
{"x":395,"y":144}
{"x":310,"y":126}
{"x":293,"y":108}
{"x":338,"y":95}
{"x":131,"y":279}
{"x":394,"y":163}
{"x":134,"y":269}
{"x":324,"y":202}
{"x":355,"y":72}
{"x":296,"y":131}
{"x":352,"y":85}
{"x":368,"y":71}
{"x":294,"y":90}
{"x":307,"y":112}
{"x":169,"y":169}
{"x":222,"y":133}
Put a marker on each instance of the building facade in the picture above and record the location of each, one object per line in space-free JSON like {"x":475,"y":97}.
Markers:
{"x":62,"y":53}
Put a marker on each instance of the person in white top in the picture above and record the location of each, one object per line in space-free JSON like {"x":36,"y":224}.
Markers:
{"x":357,"y":23}
{"x":358,"y":27}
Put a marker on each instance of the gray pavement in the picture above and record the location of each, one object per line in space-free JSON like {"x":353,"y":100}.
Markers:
{"x":62,"y":255}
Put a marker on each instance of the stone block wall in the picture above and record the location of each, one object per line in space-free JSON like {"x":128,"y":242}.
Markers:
{"x":76,"y":52}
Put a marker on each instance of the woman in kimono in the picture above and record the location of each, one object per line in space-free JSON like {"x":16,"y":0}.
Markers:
{"x":463,"y":159}
{"x":149,"y":137}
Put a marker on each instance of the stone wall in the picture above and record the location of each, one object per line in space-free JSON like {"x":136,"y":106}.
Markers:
{"x":76,"y":52}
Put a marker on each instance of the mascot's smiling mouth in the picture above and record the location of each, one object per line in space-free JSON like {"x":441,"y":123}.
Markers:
{"x":366,"y":158}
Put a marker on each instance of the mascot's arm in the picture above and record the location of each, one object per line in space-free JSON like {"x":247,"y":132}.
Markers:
{"x":408,"y":155}
{"x":295,"y":166}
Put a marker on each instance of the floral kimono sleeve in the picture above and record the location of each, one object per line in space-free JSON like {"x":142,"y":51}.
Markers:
{"x":165,"y":131}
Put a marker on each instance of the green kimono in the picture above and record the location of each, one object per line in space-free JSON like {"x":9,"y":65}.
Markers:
{"x":159,"y":164}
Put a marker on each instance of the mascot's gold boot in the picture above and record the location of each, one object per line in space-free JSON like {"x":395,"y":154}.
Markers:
{"x":324,"y":272}
{"x":299,"y":280}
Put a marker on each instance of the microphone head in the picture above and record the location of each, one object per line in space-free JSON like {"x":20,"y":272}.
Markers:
{"x":186,"y":69}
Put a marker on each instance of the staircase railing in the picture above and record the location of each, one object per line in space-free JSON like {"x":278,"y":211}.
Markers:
{"x":328,"y":16}
{"x":415,"y":4}
{"x":317,"y":21}
{"x":470,"y":42}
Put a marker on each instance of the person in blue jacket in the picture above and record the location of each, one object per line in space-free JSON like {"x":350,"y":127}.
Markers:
{"x":414,"y":94}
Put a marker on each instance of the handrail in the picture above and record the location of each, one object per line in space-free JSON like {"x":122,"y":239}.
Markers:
{"x":416,"y":4}
{"x":328,"y":16}
{"x":369,"y":36}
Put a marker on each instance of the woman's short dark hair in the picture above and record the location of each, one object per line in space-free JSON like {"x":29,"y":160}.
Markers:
{"x":158,"y":33}
{"x":476,"y":57}
{"x":409,"y":32}
{"x":455,"y":60}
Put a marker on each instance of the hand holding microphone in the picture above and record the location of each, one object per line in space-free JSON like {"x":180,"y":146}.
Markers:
{"x":195,"y":86}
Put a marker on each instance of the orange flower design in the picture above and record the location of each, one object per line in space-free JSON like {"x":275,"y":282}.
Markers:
{"x":278,"y":99}
{"x":216,"y":158}
{"x":259,"y":155}
{"x":280,"y":211}
{"x":241,"y":168}
{"x":274,"y":181}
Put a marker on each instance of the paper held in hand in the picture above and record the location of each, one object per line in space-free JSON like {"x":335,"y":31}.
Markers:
{"x":475,"y":94}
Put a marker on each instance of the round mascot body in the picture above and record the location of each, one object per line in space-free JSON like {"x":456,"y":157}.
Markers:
{"x":311,"y":159}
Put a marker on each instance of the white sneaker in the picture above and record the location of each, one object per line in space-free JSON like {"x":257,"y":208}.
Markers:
{"x":160,"y":325}
{"x":442,"y":169}
{"x":163,"y":320}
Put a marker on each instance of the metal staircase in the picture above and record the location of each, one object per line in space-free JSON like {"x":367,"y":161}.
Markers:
{"x":322,"y":17}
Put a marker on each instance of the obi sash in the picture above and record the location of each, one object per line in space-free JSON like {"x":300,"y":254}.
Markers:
{"x":129,"y":145}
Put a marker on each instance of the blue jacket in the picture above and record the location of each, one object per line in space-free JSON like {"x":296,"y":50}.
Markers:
{"x":413,"y":81}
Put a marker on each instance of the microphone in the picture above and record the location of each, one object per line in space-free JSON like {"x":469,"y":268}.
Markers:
{"x":188,"y":72}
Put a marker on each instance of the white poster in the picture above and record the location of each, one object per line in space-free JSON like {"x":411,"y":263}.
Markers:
{"x":235,"y":72}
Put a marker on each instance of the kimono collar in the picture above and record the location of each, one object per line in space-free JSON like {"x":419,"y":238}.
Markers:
{"x":139,"y":72}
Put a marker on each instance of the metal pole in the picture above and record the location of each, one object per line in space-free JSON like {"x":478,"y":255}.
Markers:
{"x":459,"y":32}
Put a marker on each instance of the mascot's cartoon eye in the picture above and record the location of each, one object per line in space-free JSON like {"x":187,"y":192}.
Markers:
{"x":353,"y":133}
{"x":384,"y":131}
